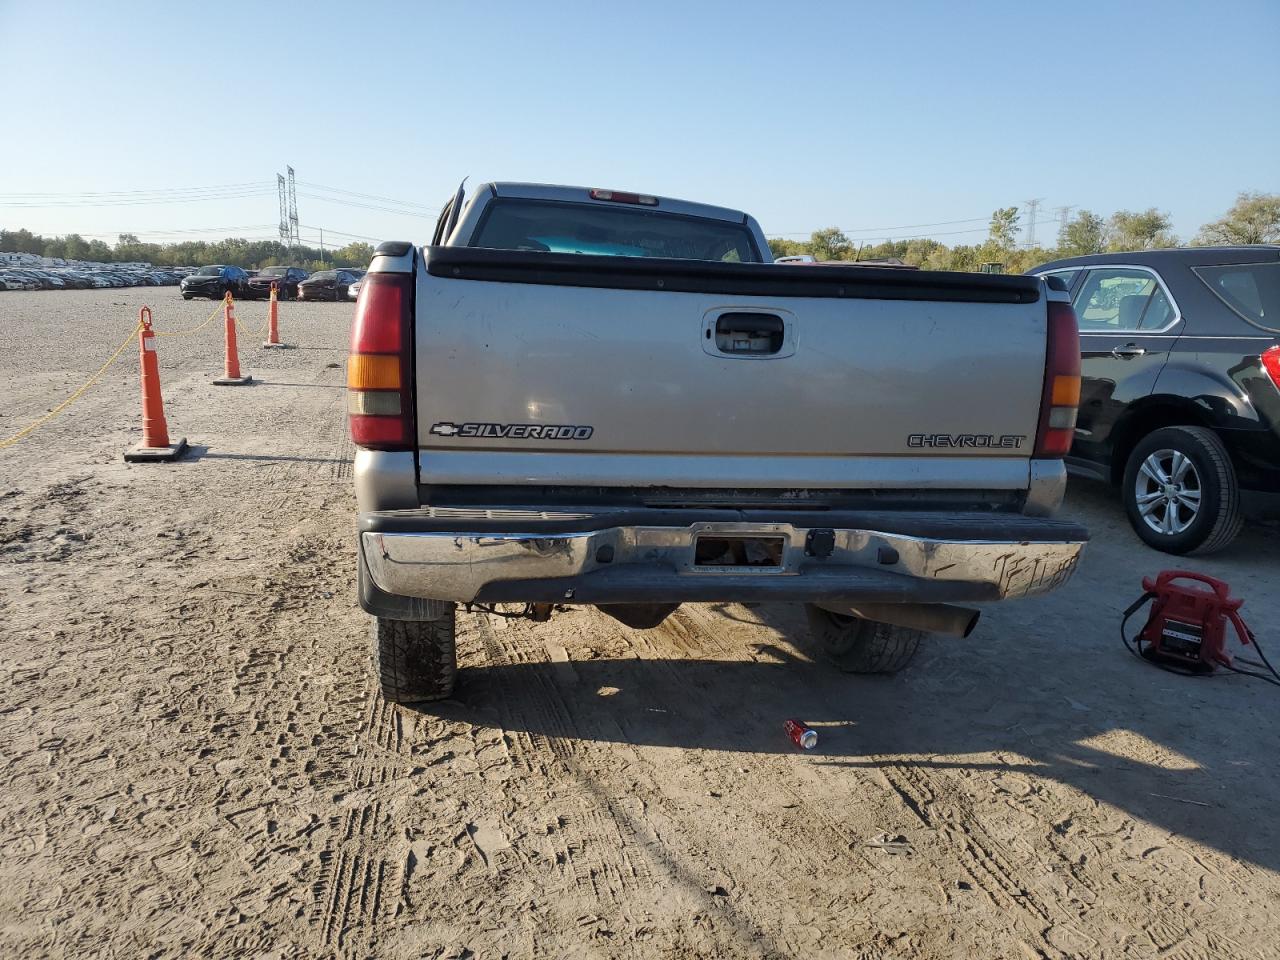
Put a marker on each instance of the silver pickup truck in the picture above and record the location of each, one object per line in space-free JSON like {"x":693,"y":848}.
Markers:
{"x":578,"y":396}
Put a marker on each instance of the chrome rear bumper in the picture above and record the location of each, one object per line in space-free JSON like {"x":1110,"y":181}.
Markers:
{"x":636,"y":563}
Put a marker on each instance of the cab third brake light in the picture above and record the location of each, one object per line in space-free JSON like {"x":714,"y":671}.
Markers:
{"x":618,"y":196}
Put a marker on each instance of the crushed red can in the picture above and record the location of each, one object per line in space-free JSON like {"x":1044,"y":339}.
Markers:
{"x":802,"y":735}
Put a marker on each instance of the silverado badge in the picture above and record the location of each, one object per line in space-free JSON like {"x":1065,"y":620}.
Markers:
{"x":512,"y":431}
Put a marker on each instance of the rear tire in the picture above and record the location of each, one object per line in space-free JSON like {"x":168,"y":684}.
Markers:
{"x":1205,"y":514}
{"x":415,"y":660}
{"x":862,"y":646}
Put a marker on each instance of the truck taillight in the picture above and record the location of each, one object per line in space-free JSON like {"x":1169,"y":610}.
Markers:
{"x":379,"y":398}
{"x":1061,"y":395}
{"x":1271,"y":364}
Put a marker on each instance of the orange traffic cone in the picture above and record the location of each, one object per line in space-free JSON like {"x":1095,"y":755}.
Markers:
{"x":273,"y":322}
{"x":155,"y":445}
{"x":231,"y":372}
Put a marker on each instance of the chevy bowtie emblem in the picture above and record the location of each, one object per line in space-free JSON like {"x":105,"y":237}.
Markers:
{"x":444,"y":429}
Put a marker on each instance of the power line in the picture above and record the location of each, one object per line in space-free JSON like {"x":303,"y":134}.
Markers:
{"x":161,"y":191}
{"x":369,"y":206}
{"x":192,"y":198}
{"x":169,"y":233}
{"x":931,"y":236}
{"x":905,"y":226}
{"x":343,"y":233}
{"x":368,"y":196}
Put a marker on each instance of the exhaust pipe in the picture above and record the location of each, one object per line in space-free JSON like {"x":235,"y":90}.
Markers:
{"x":933,"y":617}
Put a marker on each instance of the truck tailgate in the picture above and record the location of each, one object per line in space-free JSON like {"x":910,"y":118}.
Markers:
{"x":537,"y":368}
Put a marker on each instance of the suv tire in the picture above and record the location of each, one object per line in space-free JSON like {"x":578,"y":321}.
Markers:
{"x":415,"y":660}
{"x":862,"y":646}
{"x":1180,"y":491}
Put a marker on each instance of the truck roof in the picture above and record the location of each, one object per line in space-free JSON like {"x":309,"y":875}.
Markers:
{"x":569,"y":194}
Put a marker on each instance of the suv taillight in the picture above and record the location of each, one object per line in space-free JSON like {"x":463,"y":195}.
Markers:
{"x":379,"y":398}
{"x":1061,"y":395}
{"x":1271,"y":364}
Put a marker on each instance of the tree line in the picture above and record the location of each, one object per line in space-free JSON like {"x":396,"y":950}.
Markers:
{"x":1253,"y":218}
{"x":251,"y":254}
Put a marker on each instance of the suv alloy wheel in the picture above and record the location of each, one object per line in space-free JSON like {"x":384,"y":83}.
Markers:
{"x":1180,"y":491}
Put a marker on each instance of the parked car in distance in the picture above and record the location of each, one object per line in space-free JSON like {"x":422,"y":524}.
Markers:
{"x":45,"y":280}
{"x":1180,"y":388}
{"x":214,"y":282}
{"x":353,"y":291}
{"x":13,"y":280}
{"x":285,"y":278}
{"x":327,"y":285}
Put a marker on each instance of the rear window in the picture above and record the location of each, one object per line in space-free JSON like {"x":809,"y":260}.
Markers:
{"x":610,"y":231}
{"x":325,"y":275}
{"x":1251,"y":290}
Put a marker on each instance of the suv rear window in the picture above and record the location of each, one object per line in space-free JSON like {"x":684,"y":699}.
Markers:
{"x":610,"y":231}
{"x":1251,"y":290}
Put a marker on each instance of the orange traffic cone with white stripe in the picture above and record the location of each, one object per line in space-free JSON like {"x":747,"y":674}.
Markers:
{"x":155,"y":445}
{"x":273,"y":322}
{"x":231,"y":371}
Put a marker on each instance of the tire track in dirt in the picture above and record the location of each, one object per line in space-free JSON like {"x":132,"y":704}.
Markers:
{"x":589,"y":845}
{"x":351,"y":892}
{"x":611,"y":846}
{"x":679,"y":832}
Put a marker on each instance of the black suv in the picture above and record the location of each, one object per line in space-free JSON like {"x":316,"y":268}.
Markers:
{"x":1180,"y":392}
{"x":286,"y":280}
{"x":214,"y":282}
{"x":328,"y":284}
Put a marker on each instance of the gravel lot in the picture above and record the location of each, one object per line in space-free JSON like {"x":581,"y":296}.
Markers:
{"x":195,"y":762}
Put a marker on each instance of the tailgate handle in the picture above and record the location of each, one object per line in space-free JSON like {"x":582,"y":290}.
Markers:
{"x":756,"y":333}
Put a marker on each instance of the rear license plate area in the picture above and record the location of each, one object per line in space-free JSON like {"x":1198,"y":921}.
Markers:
{"x":719,"y":552}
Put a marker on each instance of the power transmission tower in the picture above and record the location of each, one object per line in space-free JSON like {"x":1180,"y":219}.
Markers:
{"x":1064,"y":218}
{"x":1033,"y":211}
{"x":294,"y":238}
{"x":284,"y":210}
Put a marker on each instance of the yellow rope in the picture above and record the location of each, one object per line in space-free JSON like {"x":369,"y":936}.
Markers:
{"x":31,"y":427}
{"x":10,"y":441}
{"x":195,"y":329}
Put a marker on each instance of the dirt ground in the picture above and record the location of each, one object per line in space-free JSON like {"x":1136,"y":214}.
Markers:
{"x":194,"y":761}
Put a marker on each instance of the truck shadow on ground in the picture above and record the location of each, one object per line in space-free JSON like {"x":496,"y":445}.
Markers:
{"x":1141,"y":745}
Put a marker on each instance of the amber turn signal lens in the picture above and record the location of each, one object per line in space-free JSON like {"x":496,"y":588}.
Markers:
{"x":373,"y":372}
{"x":1066,"y":391}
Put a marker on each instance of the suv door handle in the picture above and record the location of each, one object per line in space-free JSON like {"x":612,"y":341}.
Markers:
{"x":1128,"y":351}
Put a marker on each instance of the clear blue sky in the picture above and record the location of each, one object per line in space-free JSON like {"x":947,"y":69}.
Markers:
{"x":864,"y":116}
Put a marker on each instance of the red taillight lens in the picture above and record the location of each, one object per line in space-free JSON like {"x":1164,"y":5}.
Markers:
{"x":1061,"y":395}
{"x":379,"y":376}
{"x":1271,"y":364}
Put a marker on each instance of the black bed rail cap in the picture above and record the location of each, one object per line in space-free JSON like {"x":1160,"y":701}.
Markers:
{"x":742,"y":279}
